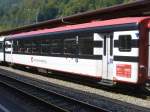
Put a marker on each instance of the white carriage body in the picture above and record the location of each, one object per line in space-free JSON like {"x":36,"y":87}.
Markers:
{"x":115,"y":51}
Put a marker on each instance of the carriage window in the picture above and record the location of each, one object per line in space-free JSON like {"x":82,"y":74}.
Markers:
{"x":125,"y":43}
{"x":45,"y":47}
{"x":70,"y":46}
{"x":57,"y":46}
{"x":20,"y":48}
{"x":15,"y":46}
{"x":36,"y":48}
{"x":27,"y":47}
{"x":1,"y":46}
{"x":86,"y":45}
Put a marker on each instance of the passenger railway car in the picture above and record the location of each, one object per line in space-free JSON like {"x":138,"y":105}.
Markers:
{"x":111,"y":51}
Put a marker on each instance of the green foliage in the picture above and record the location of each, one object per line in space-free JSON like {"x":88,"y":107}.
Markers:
{"x":16,"y":13}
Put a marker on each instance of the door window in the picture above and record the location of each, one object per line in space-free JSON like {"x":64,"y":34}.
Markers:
{"x":125,"y":43}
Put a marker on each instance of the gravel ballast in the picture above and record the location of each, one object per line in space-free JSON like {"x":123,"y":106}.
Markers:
{"x":83,"y":88}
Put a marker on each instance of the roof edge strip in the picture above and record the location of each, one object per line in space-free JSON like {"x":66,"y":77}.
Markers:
{"x":121,"y":27}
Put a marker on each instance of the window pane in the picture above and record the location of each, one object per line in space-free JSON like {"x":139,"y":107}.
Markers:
{"x":125,"y":43}
{"x":18,"y":46}
{"x":36,"y":48}
{"x":27,"y":46}
{"x":86,"y":45}
{"x":57,"y":46}
{"x":45,"y":47}
{"x":111,"y":45}
{"x":70,"y":46}
{"x":15,"y":46}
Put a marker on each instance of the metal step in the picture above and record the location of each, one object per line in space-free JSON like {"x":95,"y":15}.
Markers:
{"x":107,"y":82}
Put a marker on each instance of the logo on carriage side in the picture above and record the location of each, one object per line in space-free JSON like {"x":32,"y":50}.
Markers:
{"x":38,"y":60}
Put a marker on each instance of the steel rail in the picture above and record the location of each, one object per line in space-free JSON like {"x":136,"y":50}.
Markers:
{"x":58,"y":101}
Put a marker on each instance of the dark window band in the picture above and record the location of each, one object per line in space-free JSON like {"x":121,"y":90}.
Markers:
{"x":134,"y":43}
{"x":126,"y":58}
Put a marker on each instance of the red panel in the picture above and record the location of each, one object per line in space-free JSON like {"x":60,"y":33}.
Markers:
{"x":123,"y":70}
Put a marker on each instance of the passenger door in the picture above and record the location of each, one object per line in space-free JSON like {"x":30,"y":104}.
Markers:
{"x":107,"y":58}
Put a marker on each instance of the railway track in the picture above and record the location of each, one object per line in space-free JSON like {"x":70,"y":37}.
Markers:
{"x":58,"y":102}
{"x":130,"y":90}
{"x":93,"y":99}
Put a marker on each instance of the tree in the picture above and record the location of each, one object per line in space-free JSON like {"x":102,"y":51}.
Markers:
{"x":16,"y":13}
